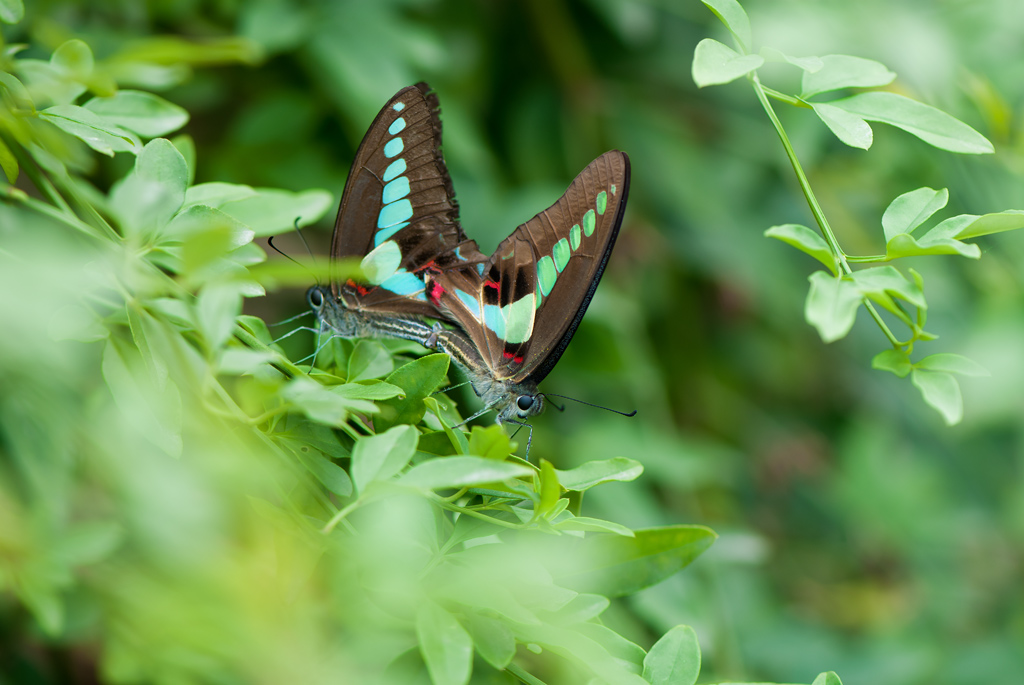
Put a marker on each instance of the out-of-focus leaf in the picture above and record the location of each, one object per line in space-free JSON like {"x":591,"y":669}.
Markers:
{"x":593,"y":473}
{"x":142,"y":113}
{"x":912,"y":209}
{"x":379,"y":457}
{"x":445,"y":645}
{"x":74,"y":57}
{"x":459,"y":472}
{"x":8,"y":163}
{"x":674,"y":659}
{"x":894,"y":361}
{"x":715,"y":63}
{"x":11,"y":11}
{"x":805,"y":240}
{"x":273,"y":211}
{"x":148,"y":197}
{"x":952,"y":363}
{"x":941,"y":391}
{"x":831,"y":305}
{"x":615,"y":565}
{"x":735,"y":18}
{"x":216,"y":308}
{"x":806,"y":63}
{"x":216,"y":193}
{"x":369,"y":359}
{"x":882,"y":283}
{"x":550,"y":490}
{"x":322,"y":405}
{"x":492,"y":639}
{"x":845,"y":71}
{"x":996,"y":222}
{"x":849,"y":128}
{"x":327,"y":472}
{"x":98,"y":134}
{"x":931,"y":125}
{"x":827,"y":678}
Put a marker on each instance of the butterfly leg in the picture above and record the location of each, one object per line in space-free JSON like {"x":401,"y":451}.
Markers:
{"x":529,"y":439}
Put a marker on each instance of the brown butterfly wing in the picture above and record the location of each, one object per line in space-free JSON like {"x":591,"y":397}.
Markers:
{"x":525,"y":306}
{"x":399,"y":190}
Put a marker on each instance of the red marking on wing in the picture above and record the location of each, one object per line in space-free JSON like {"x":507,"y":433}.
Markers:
{"x":514,"y":358}
{"x":429,"y":266}
{"x":491,"y":284}
{"x":358,"y":288}
{"x":436,"y":290}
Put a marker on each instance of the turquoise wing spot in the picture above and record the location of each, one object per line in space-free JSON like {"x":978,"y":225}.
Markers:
{"x":394,"y":213}
{"x":396,"y":168}
{"x":386,"y":233}
{"x":382,"y":262}
{"x":602,"y":202}
{"x":395,"y":190}
{"x":480,"y":268}
{"x":471,"y":303}
{"x":396,"y":126}
{"x":589,"y":222}
{"x":575,"y":236}
{"x":403,"y":283}
{"x":561,"y":253}
{"x":394,"y":147}
{"x":398,"y":106}
{"x":546,"y":274}
{"x":614,"y":189}
{"x":512,"y":323}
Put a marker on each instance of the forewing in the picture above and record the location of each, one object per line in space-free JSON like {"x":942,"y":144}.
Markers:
{"x":398,"y":213}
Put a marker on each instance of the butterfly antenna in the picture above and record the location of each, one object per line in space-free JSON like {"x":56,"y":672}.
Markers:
{"x":589,"y":404}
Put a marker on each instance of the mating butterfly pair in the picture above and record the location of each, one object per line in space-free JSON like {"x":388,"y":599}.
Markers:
{"x":516,"y":311}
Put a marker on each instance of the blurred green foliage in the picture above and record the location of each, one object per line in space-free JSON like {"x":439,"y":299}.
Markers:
{"x":857,"y":532}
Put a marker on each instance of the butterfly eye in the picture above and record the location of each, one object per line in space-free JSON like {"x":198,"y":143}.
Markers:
{"x":524,"y":402}
{"x":316,"y":298}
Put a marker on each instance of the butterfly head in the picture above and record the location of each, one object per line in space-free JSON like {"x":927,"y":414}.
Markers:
{"x":521,"y":403}
{"x":334,"y":315}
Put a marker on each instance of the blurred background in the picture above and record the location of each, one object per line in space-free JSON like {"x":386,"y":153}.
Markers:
{"x":858,"y":532}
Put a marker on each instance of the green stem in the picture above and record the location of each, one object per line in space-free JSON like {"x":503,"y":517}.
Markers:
{"x":527,"y":678}
{"x":812,"y":201}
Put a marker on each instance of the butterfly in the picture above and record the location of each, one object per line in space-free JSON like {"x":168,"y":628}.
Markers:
{"x":519,"y":309}
{"x":398,"y":216}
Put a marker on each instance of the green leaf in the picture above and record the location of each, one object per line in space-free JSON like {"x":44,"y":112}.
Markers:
{"x":216,"y":308}
{"x":831,"y":305}
{"x":827,"y":678}
{"x":11,"y":11}
{"x":16,"y":91}
{"x":615,"y":565}
{"x":904,"y":245}
{"x":272,"y":211}
{"x":320,"y":404}
{"x":912,"y":209}
{"x":491,"y":442}
{"x":149,"y":196}
{"x":445,"y":645}
{"x":419,"y":379}
{"x":492,"y":639}
{"x":550,"y":491}
{"x":236,"y":361}
{"x":997,"y":222}
{"x":735,"y":18}
{"x":369,"y":359}
{"x":594,"y":473}
{"x":460,"y":472}
{"x":805,"y":240}
{"x":142,"y":113}
{"x":216,"y":193}
{"x":894,"y":361}
{"x":592,"y":525}
{"x":456,"y":437}
{"x":372,"y":390}
{"x":379,"y":457}
{"x":8,"y":162}
{"x":931,"y":125}
{"x":942,"y":392}
{"x":184,"y":144}
{"x":806,"y":63}
{"x":882,"y":283}
{"x":73,"y":57}
{"x":206,"y":234}
{"x":849,"y":128}
{"x":952,"y":363}
{"x":715,"y":63}
{"x":845,"y":71}
{"x":98,"y":134}
{"x":674,"y":659}
{"x":332,"y":476}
